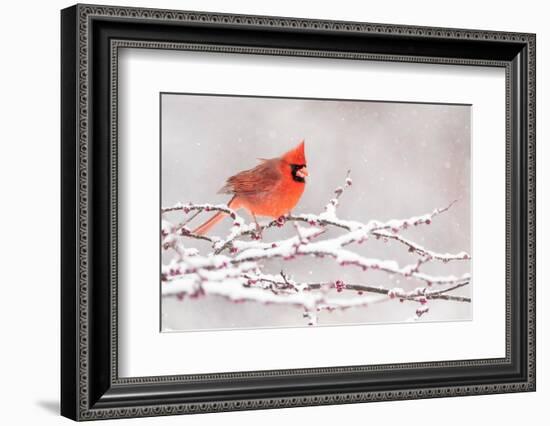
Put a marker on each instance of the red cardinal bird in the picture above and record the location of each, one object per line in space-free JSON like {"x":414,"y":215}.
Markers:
{"x":272,"y":188}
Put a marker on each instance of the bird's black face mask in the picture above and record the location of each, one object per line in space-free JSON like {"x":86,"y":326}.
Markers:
{"x":299,"y":172}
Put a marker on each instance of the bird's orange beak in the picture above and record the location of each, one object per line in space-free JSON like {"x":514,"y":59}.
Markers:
{"x":302,"y":172}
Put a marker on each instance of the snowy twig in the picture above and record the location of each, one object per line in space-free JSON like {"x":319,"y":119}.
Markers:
{"x":360,"y":289}
{"x":418,"y":249}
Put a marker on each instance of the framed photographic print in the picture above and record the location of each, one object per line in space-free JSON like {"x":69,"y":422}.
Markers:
{"x":264,"y":212}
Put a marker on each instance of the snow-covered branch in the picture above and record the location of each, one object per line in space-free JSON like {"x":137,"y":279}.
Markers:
{"x":234,"y":266}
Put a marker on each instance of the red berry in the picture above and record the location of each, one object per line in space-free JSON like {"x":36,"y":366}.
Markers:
{"x":339,"y":285}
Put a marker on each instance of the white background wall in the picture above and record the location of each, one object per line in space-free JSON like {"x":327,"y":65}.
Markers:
{"x":29,"y":212}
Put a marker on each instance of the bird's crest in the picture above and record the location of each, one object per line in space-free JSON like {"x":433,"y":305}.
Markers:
{"x":296,"y":155}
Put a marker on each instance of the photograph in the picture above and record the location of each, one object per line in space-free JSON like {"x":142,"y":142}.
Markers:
{"x":307,"y":212}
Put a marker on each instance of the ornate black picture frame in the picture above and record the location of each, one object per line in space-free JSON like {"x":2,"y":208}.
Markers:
{"x":90,"y":38}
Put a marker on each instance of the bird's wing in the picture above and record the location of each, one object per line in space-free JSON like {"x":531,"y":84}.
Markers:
{"x":262,"y":178}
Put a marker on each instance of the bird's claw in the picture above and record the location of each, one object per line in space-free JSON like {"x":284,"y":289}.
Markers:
{"x":258,"y":234}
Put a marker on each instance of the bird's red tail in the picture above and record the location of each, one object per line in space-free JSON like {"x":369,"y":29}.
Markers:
{"x":206,"y":226}
{"x":210,"y":223}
